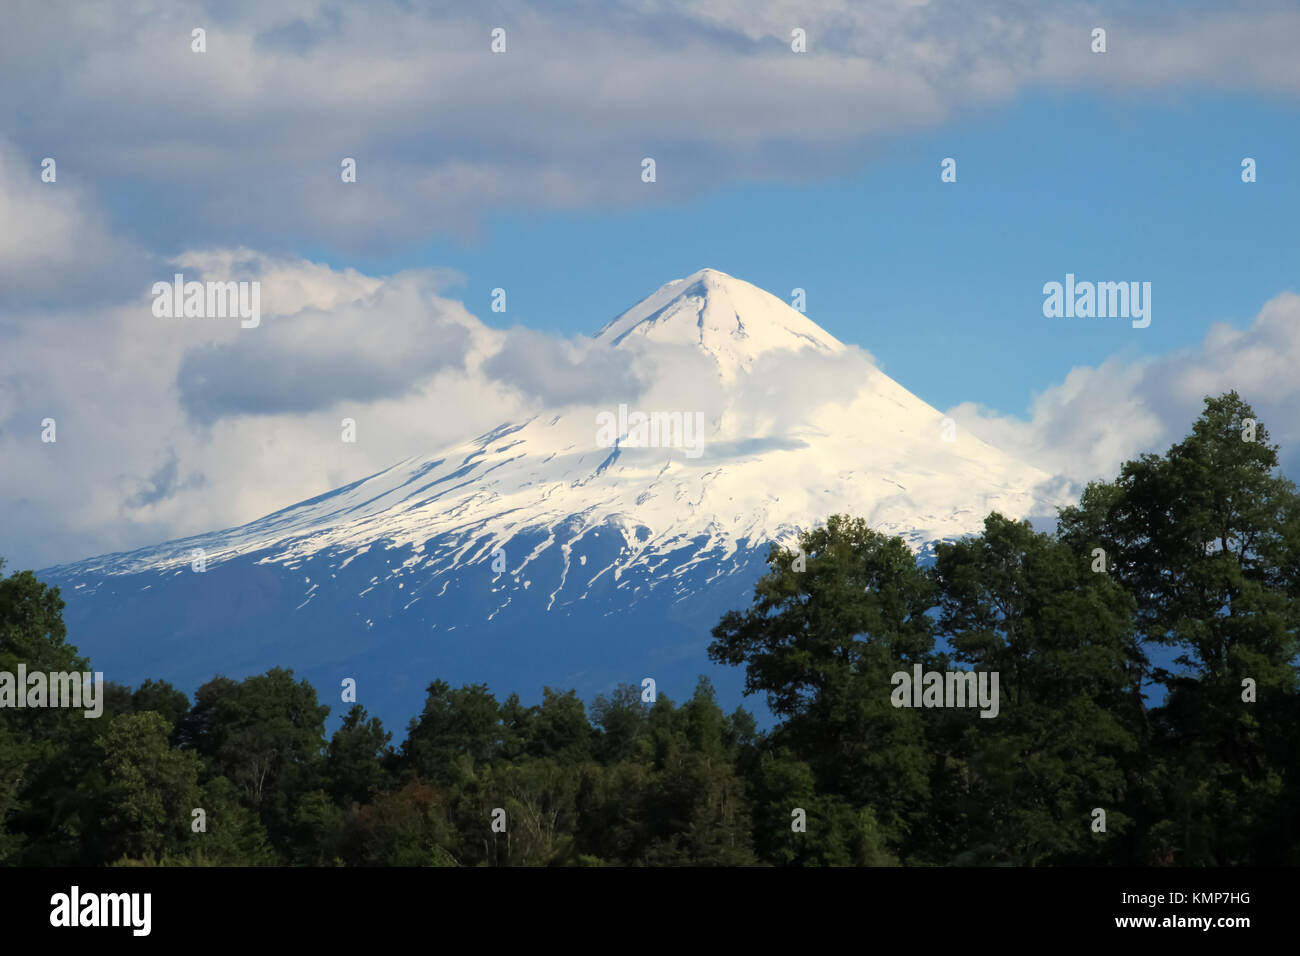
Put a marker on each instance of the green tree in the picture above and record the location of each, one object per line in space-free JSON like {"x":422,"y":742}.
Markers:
{"x":823,"y":643}
{"x":1030,"y":609}
{"x":358,"y":757}
{"x":265,"y":734}
{"x":44,"y":752}
{"x":697,"y":806}
{"x":460,"y":723}
{"x":150,"y":790}
{"x":406,"y":827}
{"x":621,"y":717}
{"x":163,"y":699}
{"x":1207,"y":539}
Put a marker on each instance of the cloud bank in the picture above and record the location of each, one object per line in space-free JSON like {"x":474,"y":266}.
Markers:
{"x":248,"y":137}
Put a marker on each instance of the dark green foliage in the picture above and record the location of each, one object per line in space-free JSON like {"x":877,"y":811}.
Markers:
{"x":266,"y":736}
{"x":1205,"y":539}
{"x":356,"y":764}
{"x":461,"y":725}
{"x":1030,"y":608}
{"x":822,"y":643}
{"x":150,"y":789}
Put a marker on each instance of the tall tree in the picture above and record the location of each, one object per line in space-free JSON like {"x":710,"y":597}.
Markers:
{"x":356,"y":763}
{"x":1207,"y":539}
{"x":145,"y":809}
{"x":45,"y":751}
{"x":831,"y":622}
{"x":1031,"y":609}
{"x":464,"y":722}
{"x":266,"y":734}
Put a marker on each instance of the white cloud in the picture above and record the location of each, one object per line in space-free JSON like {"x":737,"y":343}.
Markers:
{"x":1086,"y":426}
{"x":384,"y":343}
{"x":55,"y":245}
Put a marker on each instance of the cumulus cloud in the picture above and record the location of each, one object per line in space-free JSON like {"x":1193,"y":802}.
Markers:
{"x":558,"y":372}
{"x":1101,"y":416}
{"x":782,"y":392}
{"x":55,"y":244}
{"x":382,"y":345}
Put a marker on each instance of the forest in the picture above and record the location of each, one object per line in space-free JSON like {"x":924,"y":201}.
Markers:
{"x":1146,"y":650}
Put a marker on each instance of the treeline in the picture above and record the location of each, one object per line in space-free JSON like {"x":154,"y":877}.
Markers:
{"x":1191,"y":559}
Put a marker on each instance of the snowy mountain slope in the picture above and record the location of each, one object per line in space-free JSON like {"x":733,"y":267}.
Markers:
{"x":407,"y":563}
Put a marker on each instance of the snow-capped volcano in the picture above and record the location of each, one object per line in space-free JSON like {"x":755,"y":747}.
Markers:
{"x":542,"y":527}
{"x":878,"y":452}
